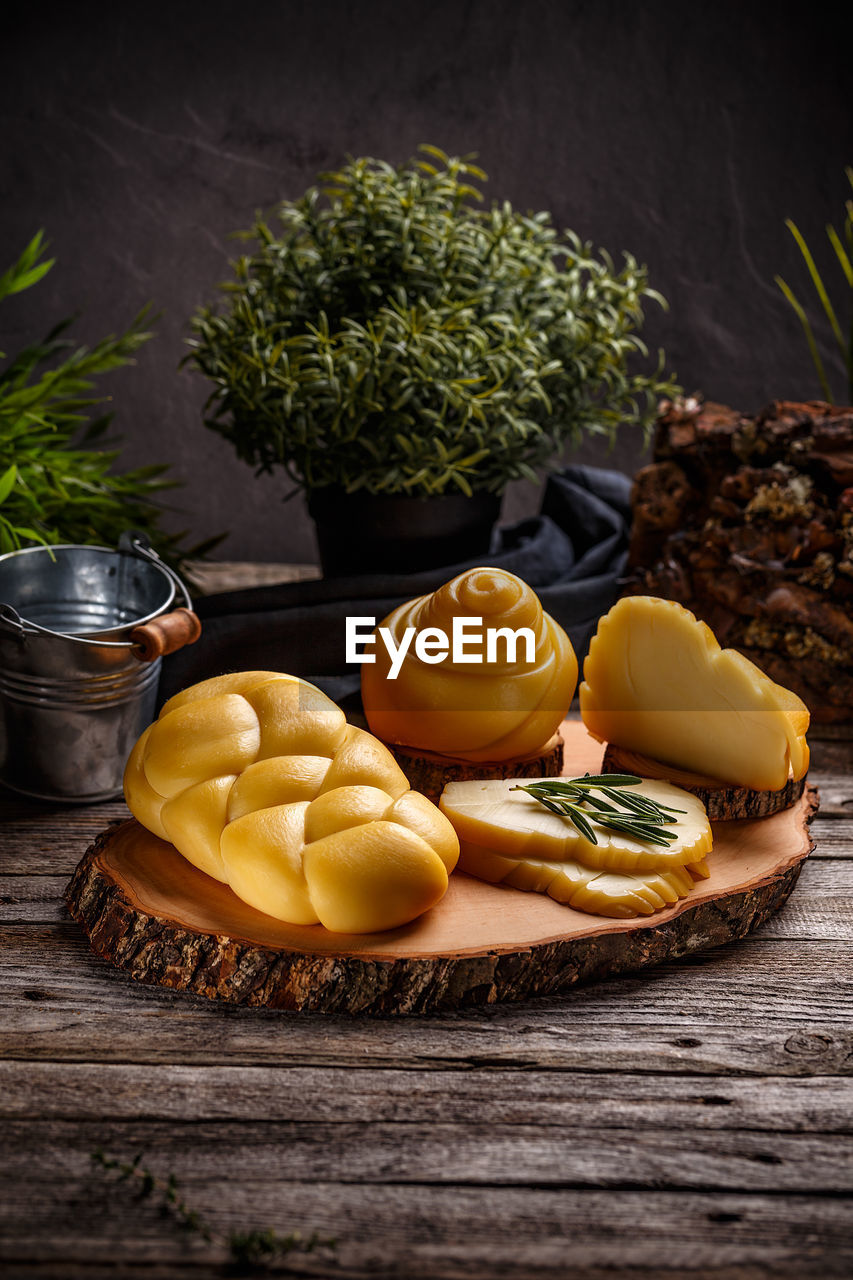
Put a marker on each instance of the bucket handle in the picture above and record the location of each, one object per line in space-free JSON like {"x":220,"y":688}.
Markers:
{"x":166,"y":634}
{"x":138,"y":545}
{"x":24,"y":627}
{"x":171,"y":631}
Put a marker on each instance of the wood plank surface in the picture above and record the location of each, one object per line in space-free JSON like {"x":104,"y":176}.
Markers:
{"x":390,"y":1230}
{"x":486,"y":1154}
{"x":87,"y":1091}
{"x":757,"y":1007}
{"x":694,"y":1120}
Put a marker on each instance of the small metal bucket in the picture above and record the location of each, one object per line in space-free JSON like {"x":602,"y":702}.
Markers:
{"x":76,"y":687}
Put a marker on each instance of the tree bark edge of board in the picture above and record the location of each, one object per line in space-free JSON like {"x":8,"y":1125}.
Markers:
{"x":158,"y":950}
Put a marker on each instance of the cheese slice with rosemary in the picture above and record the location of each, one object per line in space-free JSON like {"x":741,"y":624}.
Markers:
{"x":492,"y":814}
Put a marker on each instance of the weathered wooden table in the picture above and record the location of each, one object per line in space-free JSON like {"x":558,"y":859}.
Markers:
{"x":692,"y":1120}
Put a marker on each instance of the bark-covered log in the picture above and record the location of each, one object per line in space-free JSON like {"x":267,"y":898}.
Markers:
{"x":430,"y":773}
{"x":724,"y":801}
{"x":150,"y":912}
{"x":748,"y":521}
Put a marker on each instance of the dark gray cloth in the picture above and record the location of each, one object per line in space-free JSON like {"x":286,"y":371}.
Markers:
{"x":572,"y":555}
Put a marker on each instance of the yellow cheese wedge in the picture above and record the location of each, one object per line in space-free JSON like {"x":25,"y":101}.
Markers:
{"x":656,"y":681}
{"x":489,"y":814}
{"x":619,"y":894}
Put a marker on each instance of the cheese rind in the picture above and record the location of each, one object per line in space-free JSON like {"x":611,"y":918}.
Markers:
{"x":656,"y":681}
{"x":491,"y":813}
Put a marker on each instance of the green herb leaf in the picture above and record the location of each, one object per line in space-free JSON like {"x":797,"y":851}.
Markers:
{"x":7,"y":482}
{"x":254,"y":1248}
{"x":641,"y":817}
{"x":392,"y":336}
{"x":58,"y":483}
{"x":844,"y":257}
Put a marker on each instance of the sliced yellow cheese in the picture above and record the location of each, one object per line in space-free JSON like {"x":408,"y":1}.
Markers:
{"x":490,"y":814}
{"x":619,"y":894}
{"x":656,"y":681}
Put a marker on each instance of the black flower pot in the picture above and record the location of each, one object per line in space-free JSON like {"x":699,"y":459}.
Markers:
{"x":392,"y":533}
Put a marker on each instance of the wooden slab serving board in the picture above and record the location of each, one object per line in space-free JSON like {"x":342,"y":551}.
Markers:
{"x":150,"y":912}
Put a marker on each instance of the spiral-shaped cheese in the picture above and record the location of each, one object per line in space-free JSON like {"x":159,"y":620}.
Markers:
{"x":477,"y":710}
{"x":258,"y":780}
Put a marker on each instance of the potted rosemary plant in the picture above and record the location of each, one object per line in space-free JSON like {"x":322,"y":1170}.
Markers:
{"x":404,"y":355}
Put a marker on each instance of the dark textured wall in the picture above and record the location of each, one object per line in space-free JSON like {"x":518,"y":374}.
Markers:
{"x":140,"y":135}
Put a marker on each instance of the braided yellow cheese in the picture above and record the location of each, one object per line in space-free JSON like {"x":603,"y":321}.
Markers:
{"x":258,"y":780}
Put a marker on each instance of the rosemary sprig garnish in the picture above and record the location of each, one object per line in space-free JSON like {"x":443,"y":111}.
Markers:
{"x":639,"y":816}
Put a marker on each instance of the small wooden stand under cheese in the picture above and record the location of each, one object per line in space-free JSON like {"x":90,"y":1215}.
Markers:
{"x":506,"y":836}
{"x":724,"y":801}
{"x":430,"y":773}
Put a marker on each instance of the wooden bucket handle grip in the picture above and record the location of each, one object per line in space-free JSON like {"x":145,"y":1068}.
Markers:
{"x":166,"y":634}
